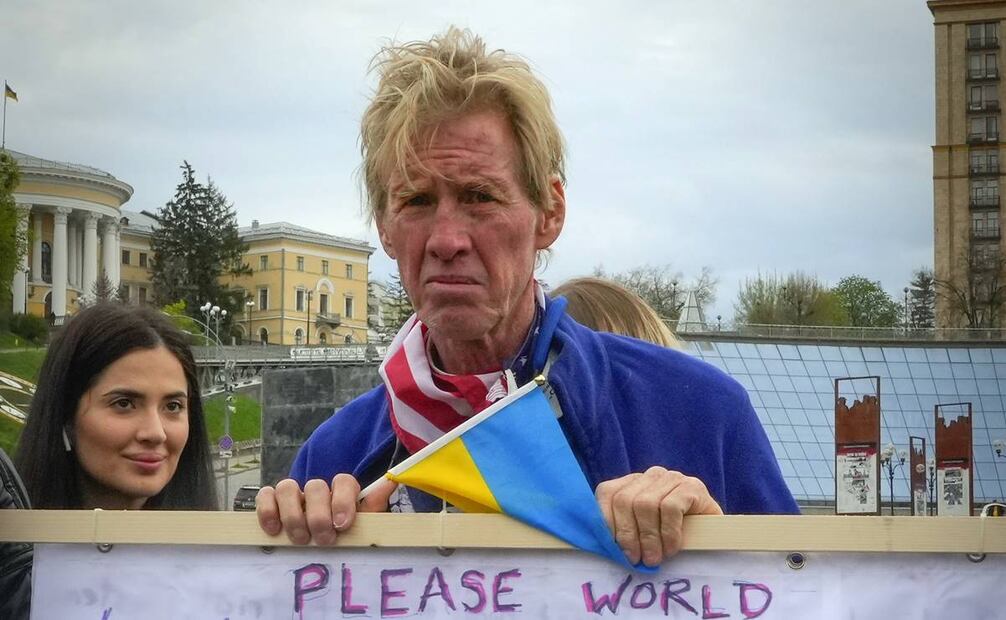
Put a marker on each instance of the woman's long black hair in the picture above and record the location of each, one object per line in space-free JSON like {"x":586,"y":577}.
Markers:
{"x":89,"y":343}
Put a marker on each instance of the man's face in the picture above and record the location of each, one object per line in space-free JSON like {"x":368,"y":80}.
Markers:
{"x":464,"y":232}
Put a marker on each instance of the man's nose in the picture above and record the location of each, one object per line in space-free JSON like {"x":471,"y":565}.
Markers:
{"x":450,"y":234}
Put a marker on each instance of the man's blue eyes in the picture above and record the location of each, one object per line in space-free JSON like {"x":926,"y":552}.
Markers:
{"x":468,"y":197}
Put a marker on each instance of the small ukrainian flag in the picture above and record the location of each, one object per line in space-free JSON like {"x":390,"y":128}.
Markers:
{"x":513,"y":458}
{"x":9,"y":92}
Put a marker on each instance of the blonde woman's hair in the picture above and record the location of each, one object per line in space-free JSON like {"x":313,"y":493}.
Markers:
{"x":609,"y":307}
{"x":424,"y":83}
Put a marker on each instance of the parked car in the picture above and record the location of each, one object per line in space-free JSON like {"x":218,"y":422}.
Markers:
{"x":244,"y":499}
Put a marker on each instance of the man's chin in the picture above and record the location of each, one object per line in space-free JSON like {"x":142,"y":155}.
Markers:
{"x":458,"y":324}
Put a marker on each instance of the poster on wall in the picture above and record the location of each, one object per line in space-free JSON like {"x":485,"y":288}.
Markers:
{"x":856,"y":474}
{"x":953,"y":491}
{"x":919,"y":502}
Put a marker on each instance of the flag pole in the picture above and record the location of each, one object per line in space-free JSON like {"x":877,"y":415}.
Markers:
{"x":3,"y":138}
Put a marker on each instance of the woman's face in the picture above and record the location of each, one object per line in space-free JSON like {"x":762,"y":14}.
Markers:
{"x":130,"y":428}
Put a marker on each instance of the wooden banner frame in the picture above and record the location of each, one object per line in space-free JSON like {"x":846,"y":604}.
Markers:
{"x":794,"y":533}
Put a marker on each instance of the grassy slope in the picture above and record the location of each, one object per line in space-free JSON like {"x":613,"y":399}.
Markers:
{"x":24,"y":363}
{"x":246,"y":423}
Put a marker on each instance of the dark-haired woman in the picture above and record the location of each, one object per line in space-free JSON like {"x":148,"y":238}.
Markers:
{"x":117,"y":421}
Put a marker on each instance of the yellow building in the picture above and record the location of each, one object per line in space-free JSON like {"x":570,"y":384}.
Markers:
{"x":305,"y":286}
{"x":72,"y":215}
{"x":968,"y":242}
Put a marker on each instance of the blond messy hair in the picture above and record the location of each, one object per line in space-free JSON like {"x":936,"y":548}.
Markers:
{"x":609,"y":307}
{"x":424,"y":83}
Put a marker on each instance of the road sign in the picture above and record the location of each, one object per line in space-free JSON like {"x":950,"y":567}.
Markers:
{"x":226,"y":443}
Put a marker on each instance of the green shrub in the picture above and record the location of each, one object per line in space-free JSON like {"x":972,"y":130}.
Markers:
{"x":33,"y":329}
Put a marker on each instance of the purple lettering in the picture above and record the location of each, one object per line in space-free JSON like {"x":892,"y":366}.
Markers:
{"x":387,"y":594}
{"x":746,"y":587}
{"x":609,"y":601}
{"x":499,"y":588}
{"x":347,"y":594}
{"x":707,"y":610}
{"x":443,"y":591}
{"x":669,"y":594}
{"x":644,"y":588}
{"x":472,"y":580}
{"x":308,"y":579}
{"x":105,"y":615}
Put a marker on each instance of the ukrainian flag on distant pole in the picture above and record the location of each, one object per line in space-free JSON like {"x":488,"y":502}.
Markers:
{"x":8,"y":93}
{"x":512,"y":458}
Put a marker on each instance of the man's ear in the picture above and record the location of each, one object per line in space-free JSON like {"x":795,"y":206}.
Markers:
{"x":382,"y":234}
{"x":550,"y":222}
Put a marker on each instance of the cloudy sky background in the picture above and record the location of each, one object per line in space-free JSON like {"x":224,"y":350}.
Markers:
{"x":745,"y":136}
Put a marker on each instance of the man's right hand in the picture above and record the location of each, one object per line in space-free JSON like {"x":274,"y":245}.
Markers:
{"x":320,"y":511}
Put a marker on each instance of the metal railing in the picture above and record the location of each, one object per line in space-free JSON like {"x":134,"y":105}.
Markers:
{"x":983,"y":137}
{"x":982,"y":43}
{"x":988,"y":73}
{"x":855,"y":334}
{"x":984,"y":202}
{"x":976,"y":169}
{"x":986,"y":234}
{"x":983,"y":106}
{"x":281,"y":354}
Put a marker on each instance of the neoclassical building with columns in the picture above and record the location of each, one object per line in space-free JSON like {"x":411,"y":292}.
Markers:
{"x":73,"y":216}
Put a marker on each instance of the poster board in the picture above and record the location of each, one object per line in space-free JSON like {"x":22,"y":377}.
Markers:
{"x":857,"y":445}
{"x":213,"y":566}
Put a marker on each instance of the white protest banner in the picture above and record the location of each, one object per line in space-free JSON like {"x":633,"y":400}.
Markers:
{"x":234,"y":583}
{"x":213,"y":566}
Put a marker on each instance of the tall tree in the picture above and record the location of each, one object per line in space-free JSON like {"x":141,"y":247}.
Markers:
{"x":664,"y":289}
{"x":922,"y":299}
{"x":195,"y":243}
{"x":977,"y":299}
{"x":15,"y":243}
{"x":397,"y":306}
{"x":797,"y":299}
{"x":866,"y":303}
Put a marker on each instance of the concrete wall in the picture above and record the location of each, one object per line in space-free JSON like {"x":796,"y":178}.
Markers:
{"x":296,"y":401}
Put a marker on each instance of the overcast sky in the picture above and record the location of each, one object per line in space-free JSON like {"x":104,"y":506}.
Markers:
{"x":745,"y":136}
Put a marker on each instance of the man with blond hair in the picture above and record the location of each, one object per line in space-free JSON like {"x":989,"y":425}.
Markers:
{"x":463,"y":165}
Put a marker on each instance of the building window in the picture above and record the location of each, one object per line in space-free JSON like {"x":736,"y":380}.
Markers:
{"x":263,"y":299}
{"x":47,"y":262}
{"x":349,"y":307}
{"x":125,"y":291}
{"x":125,"y":257}
{"x":984,"y":129}
{"x":324,"y":267}
{"x":141,"y":295}
{"x":982,"y":65}
{"x":323,"y":304}
{"x":263,"y":263}
{"x":300,"y":263}
{"x":981,"y":36}
{"x":143,"y":259}
{"x":300,"y":300}
{"x":984,"y":161}
{"x":983,"y":97}
{"x":985,"y":224}
{"x":263,"y":335}
{"x":984,"y":193}
{"x":322,"y":337}
{"x":298,"y":336}
{"x":349,"y":272}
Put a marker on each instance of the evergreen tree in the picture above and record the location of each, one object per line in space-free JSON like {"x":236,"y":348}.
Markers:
{"x":15,"y":243}
{"x":195,"y":243}
{"x":922,"y":299}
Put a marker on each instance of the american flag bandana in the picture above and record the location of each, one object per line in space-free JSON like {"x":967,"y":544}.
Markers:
{"x":426,"y":402}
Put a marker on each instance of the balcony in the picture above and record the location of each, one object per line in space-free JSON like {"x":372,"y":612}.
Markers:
{"x":983,"y":106}
{"x":984,"y":202}
{"x":978,"y":75}
{"x":983,"y":43}
{"x":332,"y":320}
{"x":984,"y":169}
{"x":986,"y":137}
{"x":988,"y":233}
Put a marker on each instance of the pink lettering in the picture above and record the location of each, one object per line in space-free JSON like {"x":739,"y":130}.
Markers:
{"x":387,"y":593}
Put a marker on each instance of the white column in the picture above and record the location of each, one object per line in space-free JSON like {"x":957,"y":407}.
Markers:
{"x":80,"y":256}
{"x":59,"y":261}
{"x":19,"y":286}
{"x":36,"y":247}
{"x":71,"y":248}
{"x":108,"y":249}
{"x":118,"y":257}
{"x":90,"y":270}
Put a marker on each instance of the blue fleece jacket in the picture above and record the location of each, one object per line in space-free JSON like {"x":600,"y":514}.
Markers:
{"x":627,"y":405}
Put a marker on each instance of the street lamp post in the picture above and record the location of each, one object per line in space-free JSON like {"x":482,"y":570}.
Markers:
{"x":248,"y":310}
{"x":932,"y":485}
{"x":310,"y":294}
{"x":887,"y":457}
{"x":906,"y":311}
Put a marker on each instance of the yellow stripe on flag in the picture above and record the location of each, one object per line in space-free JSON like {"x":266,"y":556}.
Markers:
{"x":451,"y":473}
{"x":9,"y":92}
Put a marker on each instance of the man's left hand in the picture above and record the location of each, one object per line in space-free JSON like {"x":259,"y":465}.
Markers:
{"x":645,"y":511}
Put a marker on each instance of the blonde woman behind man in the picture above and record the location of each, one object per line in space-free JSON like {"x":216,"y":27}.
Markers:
{"x":610,"y":307}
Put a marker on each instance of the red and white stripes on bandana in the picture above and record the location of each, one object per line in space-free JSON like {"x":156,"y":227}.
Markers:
{"x":426,"y":402}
